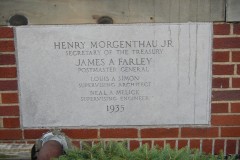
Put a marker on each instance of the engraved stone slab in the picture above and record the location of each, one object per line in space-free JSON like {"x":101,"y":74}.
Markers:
{"x":113,"y":75}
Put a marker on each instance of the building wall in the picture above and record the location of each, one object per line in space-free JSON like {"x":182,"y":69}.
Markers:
{"x":222,"y":134}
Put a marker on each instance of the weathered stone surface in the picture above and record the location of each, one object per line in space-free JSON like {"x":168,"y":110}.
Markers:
{"x":233,"y":11}
{"x":15,"y":151}
{"x":124,"y":11}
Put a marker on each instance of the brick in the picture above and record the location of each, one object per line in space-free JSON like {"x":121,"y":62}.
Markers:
{"x":225,"y":95}
{"x":236,"y":82}
{"x":9,"y":134}
{"x":81,"y":133}
{"x":133,"y":144}
{"x":11,"y":122}
{"x":219,"y":108}
{"x":147,"y":142}
{"x":236,"y":56}
{"x":223,"y":69}
{"x":218,"y":146}
{"x":8,"y":98}
{"x":8,"y":72}
{"x":159,"y":143}
{"x":76,"y":144}
{"x":6,"y":32}
{"x":9,"y":111}
{"x":159,"y":133}
{"x":226,"y":120}
{"x":171,"y":143}
{"x":230,"y":132}
{"x":231,"y":147}
{"x":96,"y":142}
{"x":7,"y":46}
{"x":238,"y":69}
{"x":226,"y":43}
{"x":7,"y":59}
{"x":220,"y":56}
{"x":221,"y":29}
{"x":195,"y":144}
{"x":207,"y":146}
{"x":182,"y":143}
{"x":235,"y":107}
{"x":220,"y":82}
{"x":236,"y":28}
{"x":34,"y":133}
{"x":9,"y":85}
{"x":119,"y":133}
{"x":199,"y":132}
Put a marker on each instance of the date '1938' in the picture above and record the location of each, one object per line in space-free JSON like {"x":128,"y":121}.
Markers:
{"x":115,"y":108}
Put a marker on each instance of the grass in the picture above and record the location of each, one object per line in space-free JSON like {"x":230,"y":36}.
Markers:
{"x":119,"y":151}
{"x":3,"y":156}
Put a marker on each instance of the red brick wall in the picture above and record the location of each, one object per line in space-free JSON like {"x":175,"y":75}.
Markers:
{"x":223,"y":133}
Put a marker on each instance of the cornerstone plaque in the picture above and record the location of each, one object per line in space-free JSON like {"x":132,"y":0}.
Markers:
{"x":111,"y":75}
